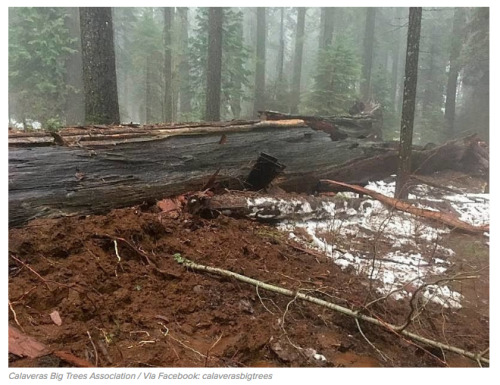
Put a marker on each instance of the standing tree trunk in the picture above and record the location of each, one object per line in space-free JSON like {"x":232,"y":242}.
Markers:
{"x":368,"y":43}
{"x":75,"y":104}
{"x":281,"y":55}
{"x":326,"y":27}
{"x":260,"y":63}
{"x":184,"y":90}
{"x":396,"y":53}
{"x":430,"y":93}
{"x":214,"y":64}
{"x":297,"y":61}
{"x":149,"y":91}
{"x":99,"y":71}
{"x":167,"y":41}
{"x":236,"y":98}
{"x":409,"y":96}
{"x":451,"y":88}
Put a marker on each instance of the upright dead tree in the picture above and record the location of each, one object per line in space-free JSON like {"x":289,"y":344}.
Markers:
{"x":297,"y":60}
{"x":167,"y":41}
{"x":368,"y":43}
{"x":260,"y":63}
{"x":214,"y":64}
{"x":451,"y":88}
{"x":409,"y":96}
{"x":99,"y":68}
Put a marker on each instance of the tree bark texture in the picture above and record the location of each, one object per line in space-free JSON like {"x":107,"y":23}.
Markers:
{"x":99,"y":68}
{"x":214,"y":64}
{"x":297,"y":60}
{"x":96,"y":169}
{"x":409,"y":96}
{"x":260,"y":62}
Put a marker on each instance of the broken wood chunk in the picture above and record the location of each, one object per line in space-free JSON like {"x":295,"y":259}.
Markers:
{"x":23,"y":345}
{"x":263,"y":172}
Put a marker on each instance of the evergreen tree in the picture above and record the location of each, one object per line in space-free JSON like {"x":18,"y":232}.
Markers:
{"x":39,"y":45}
{"x":337,"y":72}
{"x":234,"y":71}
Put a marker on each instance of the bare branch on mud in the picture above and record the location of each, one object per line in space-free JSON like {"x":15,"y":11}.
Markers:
{"x":369,"y":342}
{"x":95,"y":349}
{"x":211,"y":347}
{"x":447,"y":219}
{"x":260,"y":299}
{"x":414,"y":309}
{"x":343,"y":310}
{"x":30,"y":269}
{"x":72,"y":359}
{"x":166,"y":333}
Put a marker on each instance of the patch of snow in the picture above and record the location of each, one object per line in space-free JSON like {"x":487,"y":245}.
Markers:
{"x":319,"y":357}
{"x":396,"y":269}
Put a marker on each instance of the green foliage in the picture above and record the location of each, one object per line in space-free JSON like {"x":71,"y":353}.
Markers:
{"x":235,"y":57}
{"x":39,"y":45}
{"x":337,"y":70}
{"x":53,"y":124}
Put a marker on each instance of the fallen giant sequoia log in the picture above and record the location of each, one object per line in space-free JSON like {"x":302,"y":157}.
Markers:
{"x":339,"y":127}
{"x":89,"y":170}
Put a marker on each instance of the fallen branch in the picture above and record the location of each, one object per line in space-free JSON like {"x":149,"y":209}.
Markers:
{"x":351,"y":313}
{"x":22,"y":345}
{"x":447,"y":219}
{"x":70,"y":358}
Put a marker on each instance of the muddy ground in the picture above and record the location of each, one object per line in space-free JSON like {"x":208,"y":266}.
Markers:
{"x":124,"y":301}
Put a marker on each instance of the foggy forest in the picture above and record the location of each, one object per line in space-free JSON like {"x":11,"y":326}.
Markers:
{"x":247,"y":187}
{"x":307,"y":60}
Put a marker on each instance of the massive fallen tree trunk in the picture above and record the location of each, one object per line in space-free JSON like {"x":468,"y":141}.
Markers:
{"x":339,"y":127}
{"x":91,"y":170}
{"x":460,"y":155}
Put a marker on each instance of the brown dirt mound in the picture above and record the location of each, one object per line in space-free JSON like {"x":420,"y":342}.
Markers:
{"x":125,"y":302}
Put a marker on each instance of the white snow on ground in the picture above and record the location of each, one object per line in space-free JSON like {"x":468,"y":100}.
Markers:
{"x":399,"y":272}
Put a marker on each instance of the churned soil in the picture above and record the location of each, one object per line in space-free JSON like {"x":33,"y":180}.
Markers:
{"x":108,"y":290}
